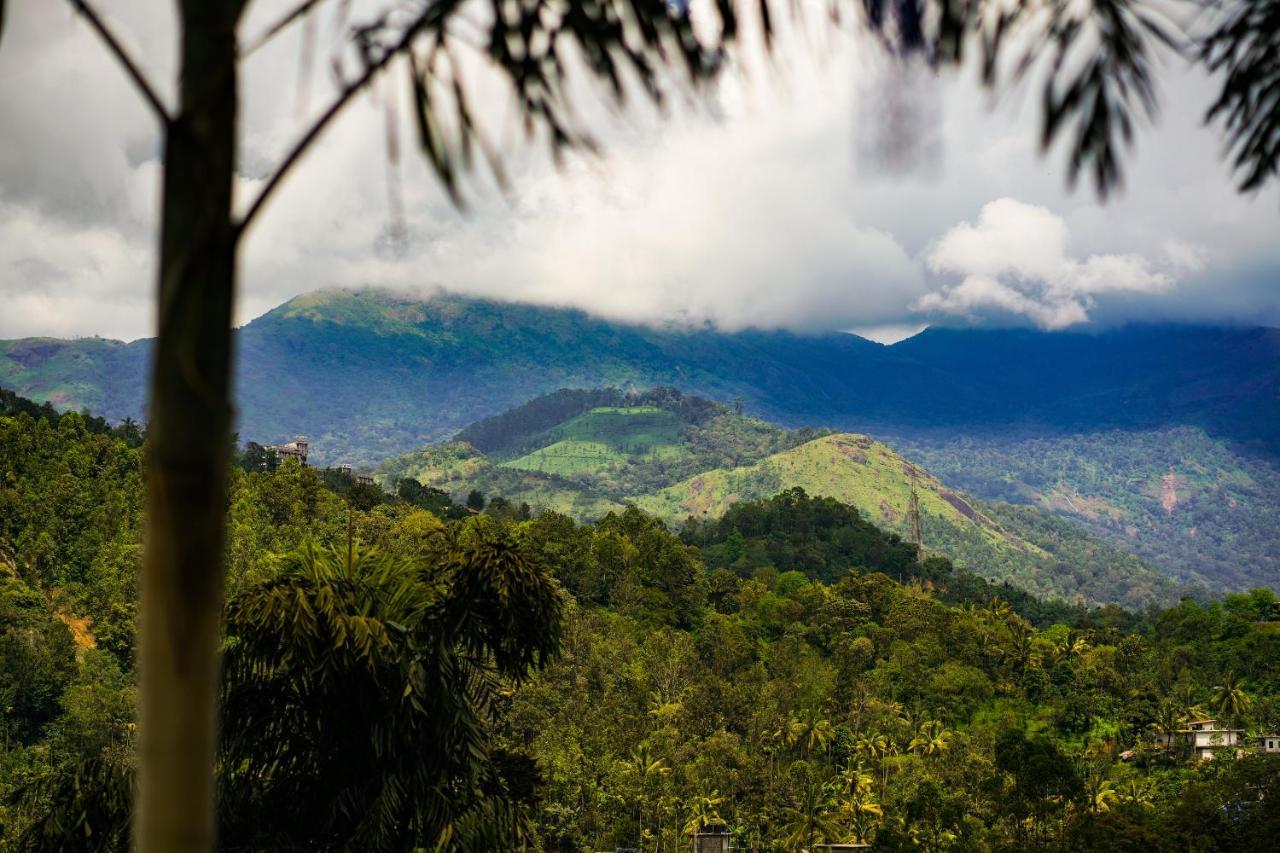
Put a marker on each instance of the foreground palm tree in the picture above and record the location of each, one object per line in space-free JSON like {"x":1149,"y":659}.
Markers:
{"x":358,"y":703}
{"x":360,"y":689}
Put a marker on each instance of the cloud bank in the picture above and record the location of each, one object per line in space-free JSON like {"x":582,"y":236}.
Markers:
{"x":788,"y":204}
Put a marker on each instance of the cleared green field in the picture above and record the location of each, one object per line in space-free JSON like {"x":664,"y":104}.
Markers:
{"x":634,"y":430}
{"x":458,"y":468}
{"x":604,"y":438}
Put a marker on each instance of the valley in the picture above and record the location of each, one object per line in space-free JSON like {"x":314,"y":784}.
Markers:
{"x":1178,"y":497}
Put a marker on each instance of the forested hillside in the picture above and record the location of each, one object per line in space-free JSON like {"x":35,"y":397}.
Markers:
{"x":1194,"y":505}
{"x":682,"y":457}
{"x":400,"y":679}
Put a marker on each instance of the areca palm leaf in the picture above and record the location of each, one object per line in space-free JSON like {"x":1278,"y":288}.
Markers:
{"x":360,"y":691}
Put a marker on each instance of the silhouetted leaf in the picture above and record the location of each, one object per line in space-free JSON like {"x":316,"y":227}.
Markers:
{"x":296,"y":13}
{"x":1245,"y":46}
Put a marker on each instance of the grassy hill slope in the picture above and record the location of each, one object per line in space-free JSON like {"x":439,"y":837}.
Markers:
{"x":852,"y":468}
{"x":1029,"y":547}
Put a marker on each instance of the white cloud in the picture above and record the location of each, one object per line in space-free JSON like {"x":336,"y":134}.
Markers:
{"x":1016,"y":260}
{"x":705,"y":225}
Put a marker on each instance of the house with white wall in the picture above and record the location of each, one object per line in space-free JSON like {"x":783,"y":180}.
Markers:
{"x":1205,"y":738}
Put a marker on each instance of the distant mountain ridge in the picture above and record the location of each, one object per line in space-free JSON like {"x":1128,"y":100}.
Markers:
{"x":368,"y":373}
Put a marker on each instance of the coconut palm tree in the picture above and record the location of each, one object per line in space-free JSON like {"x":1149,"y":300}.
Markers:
{"x":813,"y":817}
{"x":858,"y":808}
{"x":774,"y":739}
{"x":1187,"y":695}
{"x":704,"y":808}
{"x":1229,"y":698}
{"x":1169,"y":719}
{"x":646,"y":770}
{"x":931,"y":738}
{"x":1020,"y":651}
{"x":811,"y":732}
{"x":1137,"y":794}
{"x":877,"y":747}
{"x":1072,"y":646}
{"x":998,"y":611}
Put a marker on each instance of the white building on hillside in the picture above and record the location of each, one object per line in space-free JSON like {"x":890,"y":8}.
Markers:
{"x":296,"y":449}
{"x":1204,"y":738}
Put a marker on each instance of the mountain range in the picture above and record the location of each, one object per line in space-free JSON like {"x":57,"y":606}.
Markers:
{"x":1162,"y":440}
{"x":370,"y":373}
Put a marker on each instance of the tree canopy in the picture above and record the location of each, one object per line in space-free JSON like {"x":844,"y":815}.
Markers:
{"x":394,"y":679}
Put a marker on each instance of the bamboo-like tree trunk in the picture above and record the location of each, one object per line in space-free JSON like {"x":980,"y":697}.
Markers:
{"x":188,"y":444}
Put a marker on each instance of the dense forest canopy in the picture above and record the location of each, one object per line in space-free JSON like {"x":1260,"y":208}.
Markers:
{"x":789,"y":670}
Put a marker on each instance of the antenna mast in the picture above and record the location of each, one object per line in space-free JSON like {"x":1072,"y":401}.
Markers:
{"x":914,"y":536}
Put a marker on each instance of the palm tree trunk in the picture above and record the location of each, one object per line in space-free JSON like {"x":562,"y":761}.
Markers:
{"x":188,"y":443}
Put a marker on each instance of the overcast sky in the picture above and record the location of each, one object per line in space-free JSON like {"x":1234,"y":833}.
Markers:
{"x":851,"y":196}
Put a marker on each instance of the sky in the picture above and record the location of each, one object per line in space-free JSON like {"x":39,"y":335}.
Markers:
{"x":845,"y":192}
